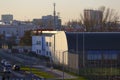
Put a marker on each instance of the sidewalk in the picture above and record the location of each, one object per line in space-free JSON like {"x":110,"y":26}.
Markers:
{"x":57,"y":72}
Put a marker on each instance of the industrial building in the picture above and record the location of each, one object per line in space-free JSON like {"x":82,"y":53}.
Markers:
{"x":93,"y":49}
{"x":79,"y":49}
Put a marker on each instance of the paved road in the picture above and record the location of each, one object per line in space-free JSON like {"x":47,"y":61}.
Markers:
{"x":15,"y":75}
{"x":26,"y":59}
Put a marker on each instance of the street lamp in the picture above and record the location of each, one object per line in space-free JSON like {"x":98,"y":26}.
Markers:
{"x":84,"y":47}
{"x":83,"y":50}
{"x":63,"y":61}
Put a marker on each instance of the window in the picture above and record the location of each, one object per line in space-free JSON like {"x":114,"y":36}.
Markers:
{"x":97,"y":55}
{"x":46,"y":43}
{"x":50,"y":44}
{"x":38,"y":42}
{"x":94,"y":55}
{"x":110,"y":54}
{"x":37,"y":51}
{"x":49,"y":53}
{"x":4,"y":32}
{"x":40,"y":51}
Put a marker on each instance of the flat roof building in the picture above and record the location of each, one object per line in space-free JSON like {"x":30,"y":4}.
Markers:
{"x":82,"y":49}
{"x":7,"y":18}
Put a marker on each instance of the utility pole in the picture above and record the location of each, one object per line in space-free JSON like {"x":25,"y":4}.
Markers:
{"x":83,"y":50}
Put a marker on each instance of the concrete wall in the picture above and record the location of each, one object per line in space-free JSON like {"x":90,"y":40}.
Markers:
{"x":73,"y":60}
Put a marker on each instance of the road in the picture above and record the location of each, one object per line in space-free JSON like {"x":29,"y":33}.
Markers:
{"x":32,"y":62}
{"x":15,"y":59}
{"x":19,"y":75}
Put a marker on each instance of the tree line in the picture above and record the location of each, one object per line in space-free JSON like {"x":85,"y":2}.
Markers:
{"x":109,"y":21}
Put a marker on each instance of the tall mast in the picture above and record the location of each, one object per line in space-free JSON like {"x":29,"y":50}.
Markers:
{"x":54,"y":14}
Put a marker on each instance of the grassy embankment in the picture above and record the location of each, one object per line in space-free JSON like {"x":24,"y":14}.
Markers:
{"x":38,"y":72}
{"x":44,"y":74}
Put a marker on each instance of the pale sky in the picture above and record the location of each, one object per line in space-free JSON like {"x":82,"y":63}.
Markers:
{"x":69,"y":9}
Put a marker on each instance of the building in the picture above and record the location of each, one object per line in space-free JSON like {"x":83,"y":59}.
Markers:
{"x":48,"y":22}
{"x":92,"y":49}
{"x":79,"y":49}
{"x":37,"y":22}
{"x":48,"y":43}
{"x":93,"y":15}
{"x":13,"y":33}
{"x":16,"y":30}
{"x":7,"y":18}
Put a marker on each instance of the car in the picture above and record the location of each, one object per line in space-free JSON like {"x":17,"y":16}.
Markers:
{"x":3,"y":61}
{"x":16,"y":67}
{"x":7,"y":64}
{"x":7,"y":69}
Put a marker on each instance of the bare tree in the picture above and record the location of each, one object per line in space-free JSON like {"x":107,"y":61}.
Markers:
{"x":103,"y":19}
{"x":109,"y":15}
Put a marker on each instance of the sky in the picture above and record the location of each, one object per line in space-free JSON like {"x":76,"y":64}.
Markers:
{"x":68,"y":9}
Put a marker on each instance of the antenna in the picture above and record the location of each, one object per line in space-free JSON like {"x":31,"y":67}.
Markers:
{"x":54,"y":13}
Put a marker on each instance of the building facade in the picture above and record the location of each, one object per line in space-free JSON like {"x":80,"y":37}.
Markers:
{"x":7,"y":18}
{"x":79,"y":49}
{"x":48,"y":22}
{"x":16,"y":30}
{"x":93,"y":15}
{"x":94,"y":49}
{"x":51,"y":44}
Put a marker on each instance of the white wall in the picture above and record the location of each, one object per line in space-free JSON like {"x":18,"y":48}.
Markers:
{"x":60,"y":47}
{"x":58,"y":44}
{"x":35,"y":45}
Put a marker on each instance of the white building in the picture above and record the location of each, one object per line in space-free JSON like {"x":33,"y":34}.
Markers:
{"x":52,"y":44}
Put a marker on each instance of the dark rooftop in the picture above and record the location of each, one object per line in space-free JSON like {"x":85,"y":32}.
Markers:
{"x":93,"y":40}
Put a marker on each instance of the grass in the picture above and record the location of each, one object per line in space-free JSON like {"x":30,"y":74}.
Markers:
{"x":97,"y":72}
{"x":38,"y":72}
{"x":87,"y":72}
{"x":46,"y":75}
{"x":101,"y":71}
{"x":79,"y":78}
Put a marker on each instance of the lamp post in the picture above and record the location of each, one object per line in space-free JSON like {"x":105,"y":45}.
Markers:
{"x":84,"y":47}
{"x":63,"y":61}
{"x":83,"y":50}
